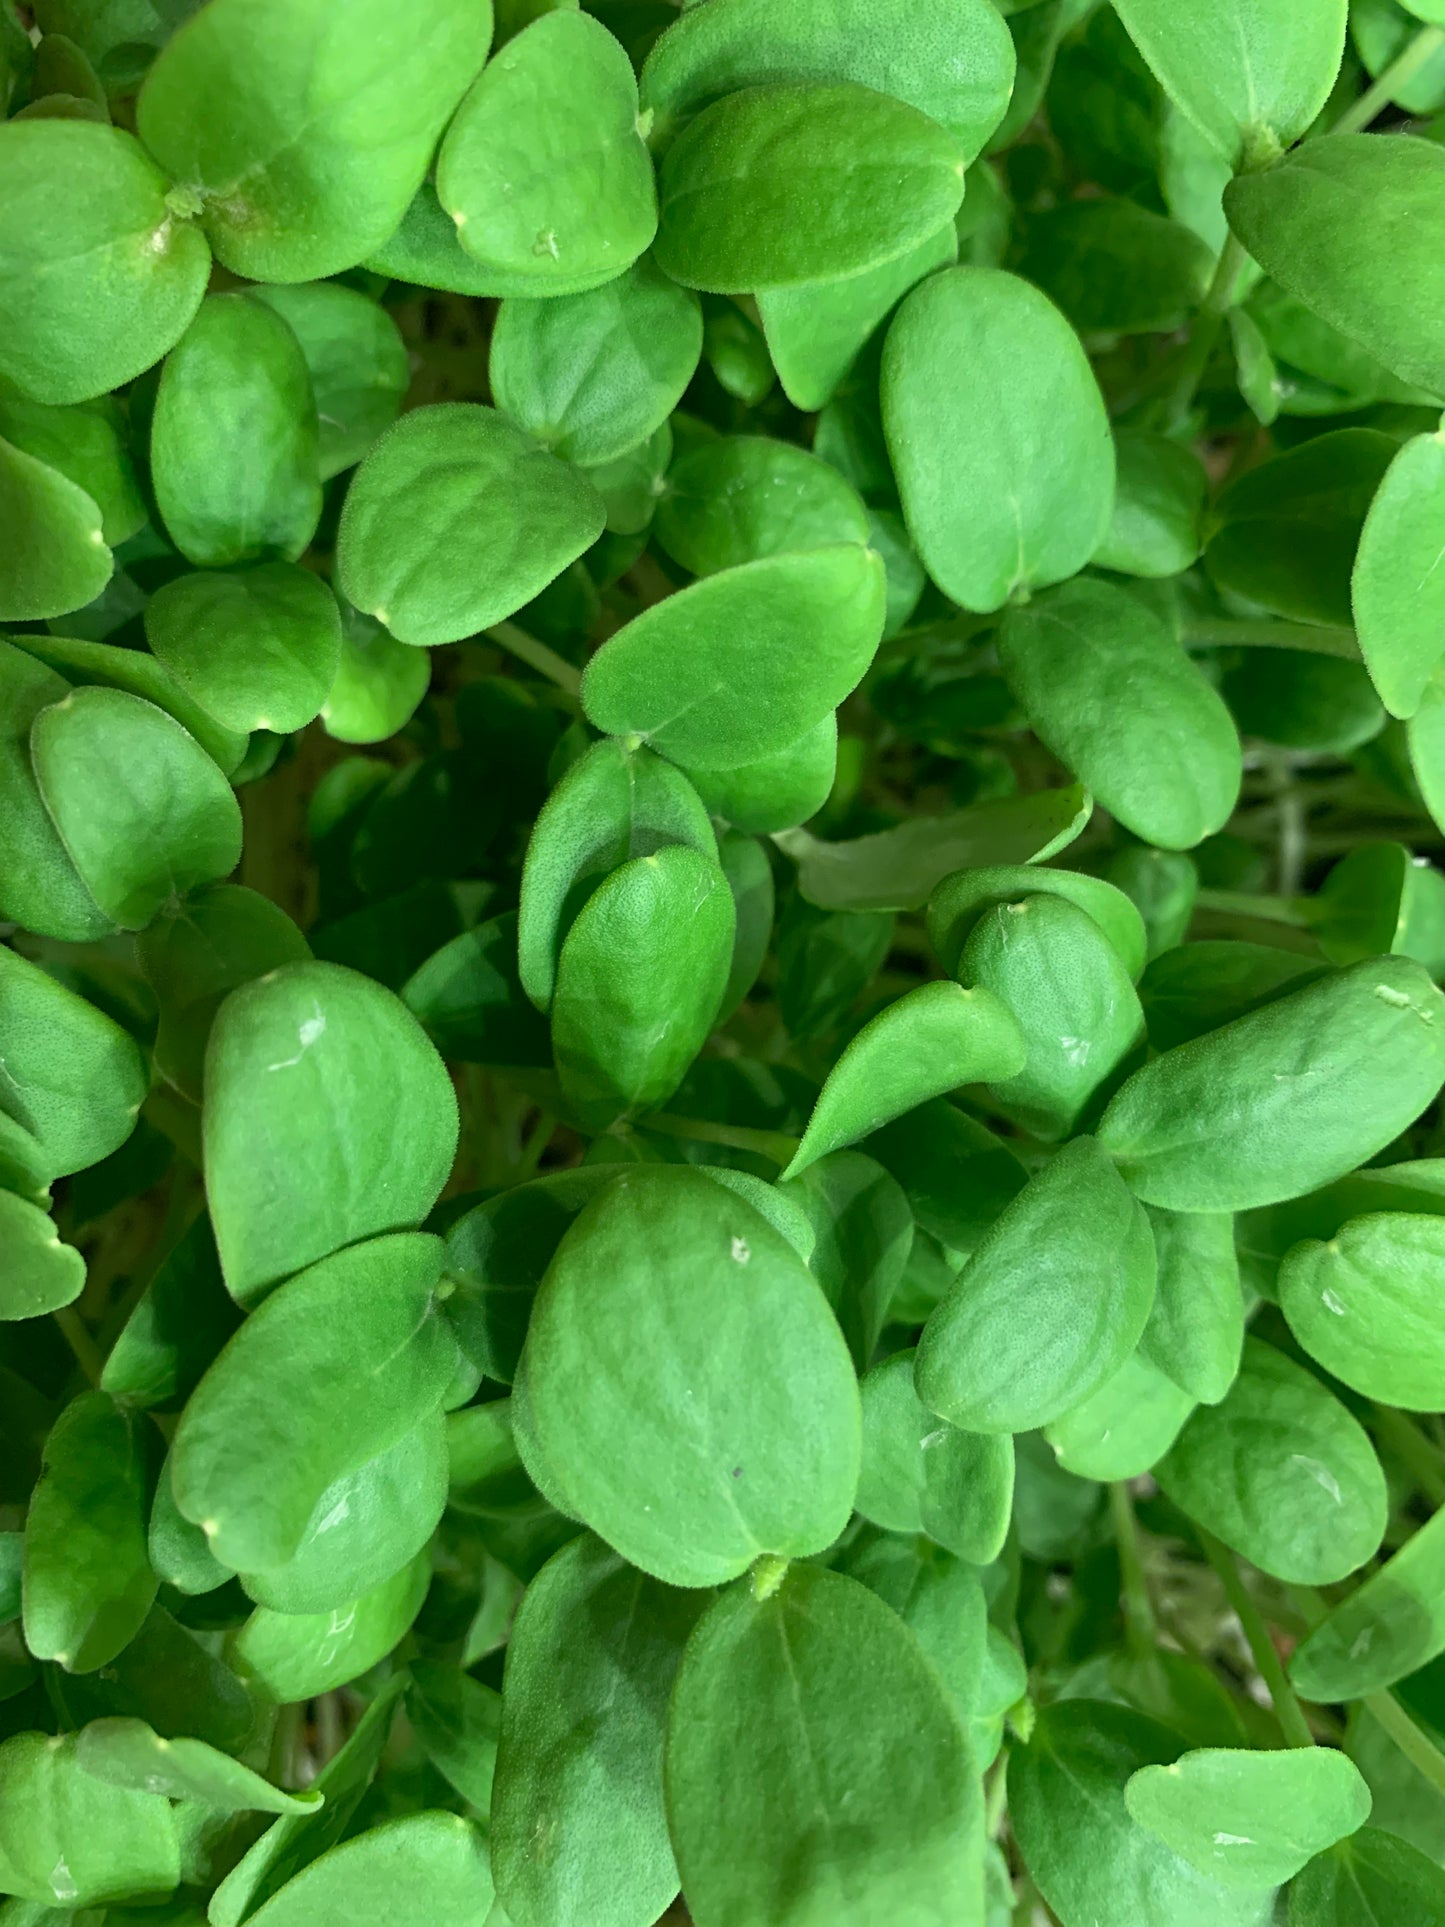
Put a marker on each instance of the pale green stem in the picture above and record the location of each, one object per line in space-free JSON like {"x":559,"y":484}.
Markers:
{"x":1139,"y":1621}
{"x":1288,"y":1711}
{"x":537,"y":656}
{"x":1231,"y":633}
{"x":77,"y":1336}
{"x":1242,"y":903}
{"x":1216,"y":304}
{"x":1400,"y":72}
{"x":996,"y":1797}
{"x":1418,"y":1748}
{"x":539,"y":1137}
{"x":768,"y":1144}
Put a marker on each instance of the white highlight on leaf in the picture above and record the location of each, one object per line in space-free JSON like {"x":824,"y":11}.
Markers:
{"x":1076,"y":1050}
{"x":1332,"y":1303}
{"x":340,"y":1512}
{"x":1321,"y":1474}
{"x":62,"y":1881}
{"x":307,"y":1033}
{"x":1232,"y":1840}
{"x":741,"y":1251}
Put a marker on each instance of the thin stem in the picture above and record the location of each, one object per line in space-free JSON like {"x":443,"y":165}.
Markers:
{"x":1241,"y":903}
{"x":1400,"y":72}
{"x":1230,"y":633}
{"x":1416,"y":1745}
{"x":1139,"y":1621}
{"x":537,"y":656}
{"x":1217,"y":302}
{"x":1288,"y":1711}
{"x":284,"y":1757}
{"x":1422,"y":1459}
{"x":769,"y":1144}
{"x":996,"y":1796}
{"x":77,"y":1336}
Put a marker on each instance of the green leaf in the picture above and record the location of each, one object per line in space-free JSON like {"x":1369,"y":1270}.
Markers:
{"x":1167,"y":761}
{"x":962,"y":900}
{"x":1313,"y":224}
{"x":38,"y":884}
{"x":1250,"y":74}
{"x":296,"y":1656}
{"x":744,"y":662}
{"x":167,"y":1678}
{"x":737,"y":498}
{"x":303,"y":145}
{"x":862,"y":1236}
{"x":127,"y":1753}
{"x":1281,"y":1473}
{"x":750,"y":878}
{"x":615,"y":804}
{"x":142,"y":810}
{"x":1285,"y":1098}
{"x":927,"y":1042}
{"x":498,"y":1253}
{"x":816,"y":331}
{"x":1049,"y":1306}
{"x":426,"y":252}
{"x":97,"y":277}
{"x":73,"y":1080}
{"x":688,"y":1468}
{"x":457,"y":1722}
{"x":1158,"y":507}
{"x":135,"y":672}
{"x":178,"y":1551}
{"x":1125,"y":1427}
{"x":1368,"y":1881}
{"x":1397,"y":589}
{"x":1364,"y":1306}
{"x":942,"y":1602}
{"x":1251,"y":1820}
{"x":455,"y":520}
{"x":948,"y":58}
{"x":88,"y":1584}
{"x":37,"y":1272}
{"x":1163,"y":885}
{"x":422,"y":1870}
{"x":529,"y":199}
{"x":1089,"y":1857}
{"x":816,"y":1771}
{"x":379,"y":682}
{"x":579,"y":1834}
{"x":66,"y":1839}
{"x":957,"y":1175}
{"x":978,"y":359}
{"x":1379,"y":900}
{"x":336,"y":1366}
{"x":87,"y":444}
{"x":1113,"y":267}
{"x":778,"y":791}
{"x":640,"y":980}
{"x":1077,"y":1014}
{"x":234,"y":439}
{"x":259,"y":649}
{"x":1199,"y":986}
{"x":1285,"y":534}
{"x":296,"y":1841}
{"x":357,"y":361}
{"x":328,"y":1117}
{"x":1196,"y":1328}
{"x":195,"y":953}
{"x":779,"y":185}
{"x":921,"y":1475}
{"x":55,"y":557}
{"x":470,"y":998}
{"x":1388,"y":1627}
{"x":592,"y":375}
{"x":368,"y":1523}
{"x":899,"y":869}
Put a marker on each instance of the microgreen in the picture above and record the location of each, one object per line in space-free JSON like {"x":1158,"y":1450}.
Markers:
{"x":722,"y":865}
